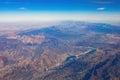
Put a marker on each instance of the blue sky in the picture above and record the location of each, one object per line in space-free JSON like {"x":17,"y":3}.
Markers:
{"x":59,"y":5}
{"x":52,"y":10}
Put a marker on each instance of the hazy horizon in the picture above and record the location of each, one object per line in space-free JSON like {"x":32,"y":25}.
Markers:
{"x":104,"y":11}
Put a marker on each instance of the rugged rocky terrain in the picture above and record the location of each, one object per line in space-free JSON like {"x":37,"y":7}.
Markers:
{"x":67,"y":51}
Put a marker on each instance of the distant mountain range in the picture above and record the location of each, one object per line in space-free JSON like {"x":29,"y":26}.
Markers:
{"x":65,"y":51}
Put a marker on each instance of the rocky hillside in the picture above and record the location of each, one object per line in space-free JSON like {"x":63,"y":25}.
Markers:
{"x":67,"y":51}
